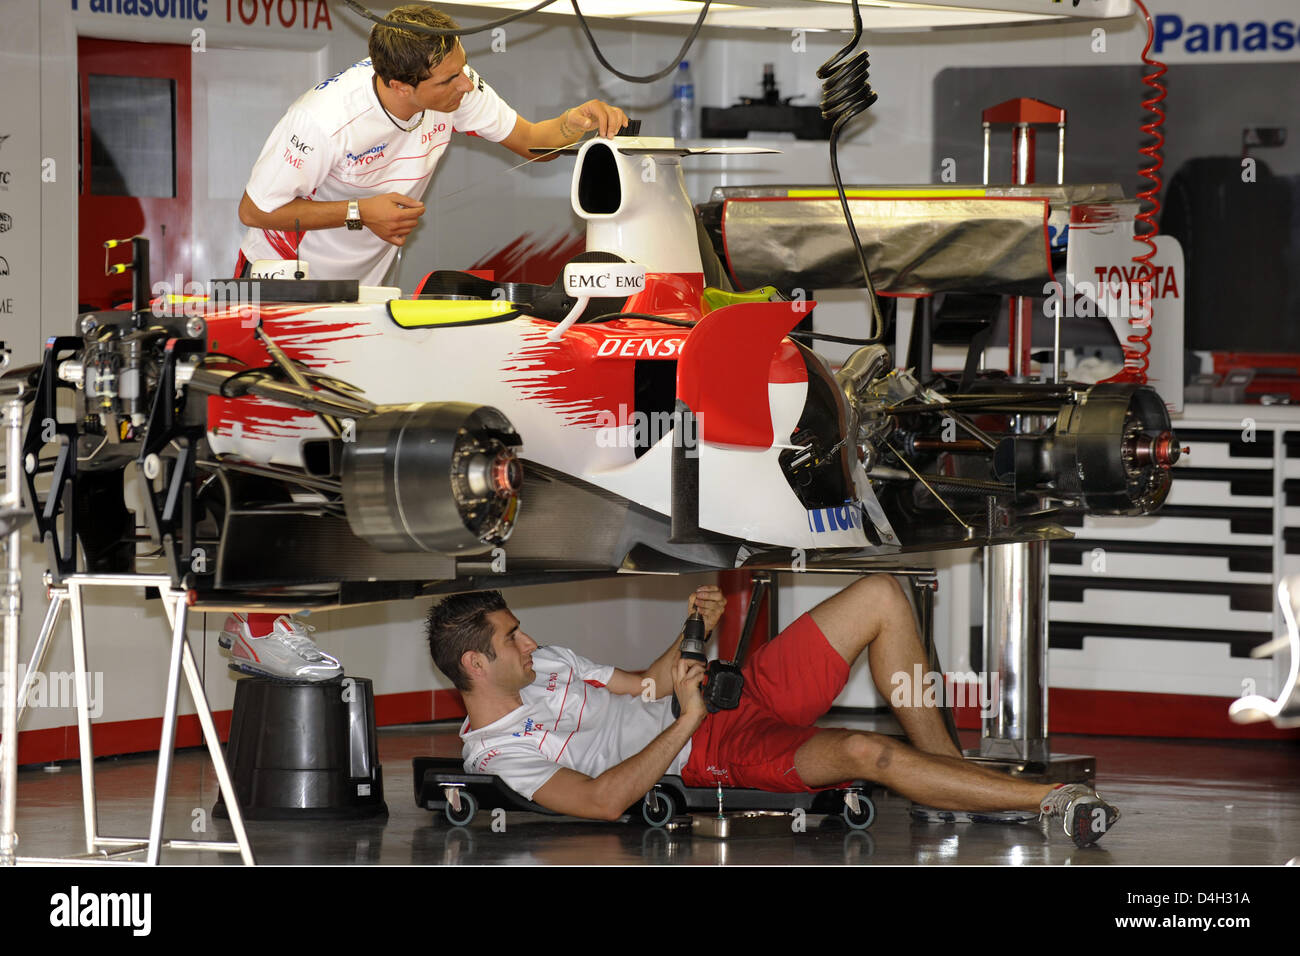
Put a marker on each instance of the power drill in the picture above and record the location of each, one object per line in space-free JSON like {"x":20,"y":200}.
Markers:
{"x":723,"y":682}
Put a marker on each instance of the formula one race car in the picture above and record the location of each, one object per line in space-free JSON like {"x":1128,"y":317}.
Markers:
{"x":313,"y":443}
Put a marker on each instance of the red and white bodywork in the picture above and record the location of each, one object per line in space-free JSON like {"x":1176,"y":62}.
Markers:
{"x":574,"y":400}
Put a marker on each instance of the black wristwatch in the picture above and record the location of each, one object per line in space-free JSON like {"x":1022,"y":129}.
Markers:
{"x":353,"y":220}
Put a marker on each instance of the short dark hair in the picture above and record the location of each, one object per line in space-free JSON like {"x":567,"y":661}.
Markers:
{"x":406,"y":56}
{"x":458,"y":623}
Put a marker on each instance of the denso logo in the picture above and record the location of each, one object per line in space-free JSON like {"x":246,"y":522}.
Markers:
{"x":1254,"y":36}
{"x":640,"y":348}
{"x":552,"y":682}
{"x":843,"y":518}
{"x":433,"y":133}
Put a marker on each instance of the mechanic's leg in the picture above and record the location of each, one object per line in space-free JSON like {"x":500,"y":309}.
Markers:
{"x":945,"y":783}
{"x":873,"y":613}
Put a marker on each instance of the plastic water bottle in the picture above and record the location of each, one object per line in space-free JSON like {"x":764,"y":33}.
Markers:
{"x":684,"y":103}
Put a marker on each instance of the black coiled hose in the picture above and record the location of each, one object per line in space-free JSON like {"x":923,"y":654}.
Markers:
{"x":846,"y":92}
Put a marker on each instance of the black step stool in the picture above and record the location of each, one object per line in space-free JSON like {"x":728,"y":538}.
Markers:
{"x":305,"y":751}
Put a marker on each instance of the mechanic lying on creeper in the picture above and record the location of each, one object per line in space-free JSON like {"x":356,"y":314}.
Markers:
{"x":579,"y":739}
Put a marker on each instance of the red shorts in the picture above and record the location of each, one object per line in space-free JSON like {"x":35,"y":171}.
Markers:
{"x":789,"y":683}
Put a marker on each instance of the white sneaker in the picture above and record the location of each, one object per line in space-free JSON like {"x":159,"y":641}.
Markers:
{"x":1084,"y":815}
{"x":287,"y":653}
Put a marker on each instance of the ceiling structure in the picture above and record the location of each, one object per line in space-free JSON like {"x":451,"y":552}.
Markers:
{"x":837,"y":14}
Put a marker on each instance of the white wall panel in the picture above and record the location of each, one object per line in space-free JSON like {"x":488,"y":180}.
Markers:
{"x":236,"y":94}
{"x":1157,"y":667}
{"x":1165,"y":567}
{"x":20,"y":179}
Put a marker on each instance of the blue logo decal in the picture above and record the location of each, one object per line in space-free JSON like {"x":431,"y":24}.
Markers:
{"x":846,"y":517}
{"x":529,"y":727}
{"x":330,"y":79}
{"x":1251,"y":37}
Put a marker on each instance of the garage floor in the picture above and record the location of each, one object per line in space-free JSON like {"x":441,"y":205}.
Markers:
{"x":1184,"y":803}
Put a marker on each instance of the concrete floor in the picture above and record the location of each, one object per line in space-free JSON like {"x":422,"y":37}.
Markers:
{"x":1183,"y":803}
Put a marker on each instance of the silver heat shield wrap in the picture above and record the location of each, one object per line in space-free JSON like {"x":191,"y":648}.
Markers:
{"x":998,"y":242}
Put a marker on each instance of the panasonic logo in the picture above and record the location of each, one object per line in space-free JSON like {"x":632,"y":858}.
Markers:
{"x":1254,"y":36}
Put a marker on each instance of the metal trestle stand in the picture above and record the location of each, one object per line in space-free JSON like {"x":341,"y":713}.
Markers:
{"x":99,"y":849}
{"x":105,"y":849}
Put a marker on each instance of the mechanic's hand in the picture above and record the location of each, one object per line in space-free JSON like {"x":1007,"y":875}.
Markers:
{"x":708,"y":600}
{"x":391,"y":216}
{"x":594,"y":114}
{"x":687,"y":677}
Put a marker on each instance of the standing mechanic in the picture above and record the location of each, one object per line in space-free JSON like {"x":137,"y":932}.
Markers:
{"x":348,"y":165}
{"x":353,"y":156}
{"x":589,"y":740}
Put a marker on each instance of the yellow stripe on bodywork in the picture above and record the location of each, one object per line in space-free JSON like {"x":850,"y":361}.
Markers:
{"x":720,"y":299}
{"x":423,"y":313}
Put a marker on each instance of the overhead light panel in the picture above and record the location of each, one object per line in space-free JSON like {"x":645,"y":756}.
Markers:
{"x":836,"y":14}
{"x":666,"y":10}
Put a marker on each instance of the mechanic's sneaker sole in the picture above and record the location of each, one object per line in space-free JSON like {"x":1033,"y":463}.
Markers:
{"x":1085,"y":816}
{"x":930,"y":815}
{"x":1089,"y":820}
{"x":240,"y":667}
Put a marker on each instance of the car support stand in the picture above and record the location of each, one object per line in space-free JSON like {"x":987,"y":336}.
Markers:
{"x":1015,"y":738}
{"x":104,"y":849}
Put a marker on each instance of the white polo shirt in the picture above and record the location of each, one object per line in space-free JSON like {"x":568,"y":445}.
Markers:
{"x":568,"y":719}
{"x":336,"y":142}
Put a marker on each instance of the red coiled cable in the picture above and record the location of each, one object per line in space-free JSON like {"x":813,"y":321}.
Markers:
{"x":1138,"y":343}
